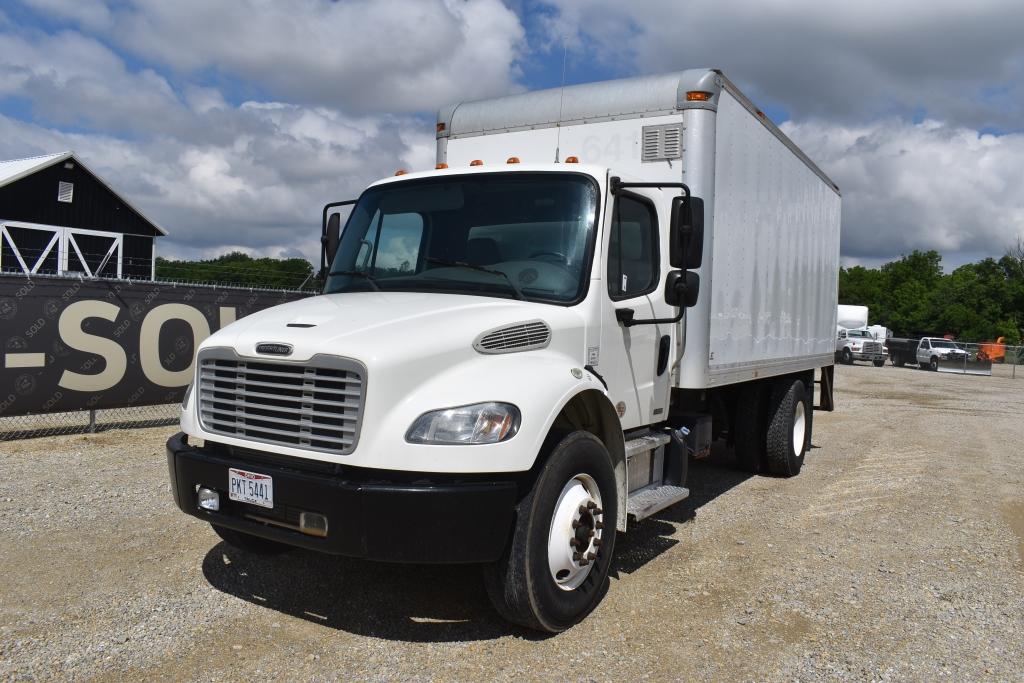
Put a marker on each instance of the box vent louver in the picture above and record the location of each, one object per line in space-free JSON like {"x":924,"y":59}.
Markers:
{"x":511,"y":338}
{"x":662,"y":142}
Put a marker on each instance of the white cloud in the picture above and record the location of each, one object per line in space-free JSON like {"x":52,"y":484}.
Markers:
{"x":847,"y":61}
{"x":359,"y":55}
{"x":913,"y":186}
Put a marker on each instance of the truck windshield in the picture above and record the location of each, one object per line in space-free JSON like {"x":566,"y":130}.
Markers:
{"x":942,"y":344}
{"x":514,"y":235}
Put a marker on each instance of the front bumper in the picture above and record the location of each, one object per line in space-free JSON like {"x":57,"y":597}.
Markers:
{"x":869,"y":355}
{"x":372,"y":514}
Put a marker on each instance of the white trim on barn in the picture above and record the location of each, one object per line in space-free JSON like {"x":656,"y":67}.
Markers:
{"x":67,"y":246}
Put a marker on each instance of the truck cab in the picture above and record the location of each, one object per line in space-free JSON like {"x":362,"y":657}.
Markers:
{"x":515,"y":356}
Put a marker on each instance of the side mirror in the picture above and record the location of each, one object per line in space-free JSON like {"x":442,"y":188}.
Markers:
{"x":686,"y":232}
{"x":682,"y":288}
{"x":332,"y":237}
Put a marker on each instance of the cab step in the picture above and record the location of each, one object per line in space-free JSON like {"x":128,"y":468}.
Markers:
{"x":646,"y":502}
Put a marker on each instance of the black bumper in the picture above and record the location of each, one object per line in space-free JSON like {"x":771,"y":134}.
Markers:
{"x":406,"y":518}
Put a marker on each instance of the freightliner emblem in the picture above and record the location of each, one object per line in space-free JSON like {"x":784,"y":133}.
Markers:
{"x":274,"y":348}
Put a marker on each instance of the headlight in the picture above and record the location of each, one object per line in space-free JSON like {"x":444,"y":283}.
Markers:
{"x":474,"y":424}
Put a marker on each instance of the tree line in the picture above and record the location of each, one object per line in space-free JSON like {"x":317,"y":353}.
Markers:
{"x":979,"y":301}
{"x":240,"y":269}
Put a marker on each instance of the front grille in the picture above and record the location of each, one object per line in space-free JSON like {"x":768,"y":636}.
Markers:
{"x":872,"y":347}
{"x":315,"y":406}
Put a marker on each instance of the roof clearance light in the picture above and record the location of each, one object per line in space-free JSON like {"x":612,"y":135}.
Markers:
{"x":476,"y":162}
{"x":441,"y":165}
{"x":698,"y":96}
{"x":440,"y":127}
{"x":572,"y":160}
{"x":512,"y":160}
{"x":401,"y":171}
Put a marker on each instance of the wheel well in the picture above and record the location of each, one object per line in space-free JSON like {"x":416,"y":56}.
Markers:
{"x":591,"y":411}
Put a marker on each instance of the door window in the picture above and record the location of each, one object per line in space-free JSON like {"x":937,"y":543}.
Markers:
{"x":632,"y":248}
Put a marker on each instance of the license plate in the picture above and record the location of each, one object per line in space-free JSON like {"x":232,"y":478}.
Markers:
{"x":251,"y":487}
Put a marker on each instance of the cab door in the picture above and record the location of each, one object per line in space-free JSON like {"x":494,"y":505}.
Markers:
{"x":629,"y":355}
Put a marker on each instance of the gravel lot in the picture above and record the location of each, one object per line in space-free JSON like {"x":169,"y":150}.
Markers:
{"x":897,"y":554}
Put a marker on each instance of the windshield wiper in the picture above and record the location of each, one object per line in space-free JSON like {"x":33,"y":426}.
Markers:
{"x":473,"y":266}
{"x":357,"y":273}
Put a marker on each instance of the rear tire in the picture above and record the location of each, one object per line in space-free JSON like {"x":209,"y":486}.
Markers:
{"x":249,"y":543}
{"x":897,"y":360}
{"x":542,"y":582}
{"x":789,"y":427}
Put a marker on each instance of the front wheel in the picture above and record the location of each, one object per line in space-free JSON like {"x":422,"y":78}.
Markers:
{"x":847,"y":357}
{"x":933,"y":364}
{"x":555,"y":570}
{"x":879,"y":362}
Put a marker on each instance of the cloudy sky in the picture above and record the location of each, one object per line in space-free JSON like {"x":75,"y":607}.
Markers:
{"x":231,"y":123}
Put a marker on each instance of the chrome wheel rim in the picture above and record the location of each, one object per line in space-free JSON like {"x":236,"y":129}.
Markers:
{"x":576,"y":531}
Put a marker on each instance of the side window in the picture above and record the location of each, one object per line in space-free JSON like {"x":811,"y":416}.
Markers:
{"x":926,"y":344}
{"x":632,"y":248}
{"x":396,"y":248}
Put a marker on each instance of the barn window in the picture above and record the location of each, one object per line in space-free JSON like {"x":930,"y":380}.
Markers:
{"x":65,"y":191}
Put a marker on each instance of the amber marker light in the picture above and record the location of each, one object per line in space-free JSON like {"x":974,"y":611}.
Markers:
{"x":572,"y":160}
{"x":476,"y":162}
{"x":698,"y":96}
{"x":441,"y":165}
{"x":512,"y":160}
{"x":401,"y":171}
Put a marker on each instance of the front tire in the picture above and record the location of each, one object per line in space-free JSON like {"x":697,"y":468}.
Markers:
{"x":933,"y":364}
{"x":847,"y":357}
{"x":878,"y":363}
{"x":789,"y":427}
{"x":555,"y":570}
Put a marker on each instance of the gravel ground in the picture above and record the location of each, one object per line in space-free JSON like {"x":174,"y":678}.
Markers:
{"x":897,"y":554}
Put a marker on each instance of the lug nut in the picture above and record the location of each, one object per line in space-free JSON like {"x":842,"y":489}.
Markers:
{"x":599,"y":525}
{"x":576,"y":557}
{"x":591,"y":505}
{"x":598,"y":511}
{"x":576,"y":524}
{"x":583,"y":509}
{"x":584,"y":562}
{"x":591,"y":556}
{"x":597,"y":542}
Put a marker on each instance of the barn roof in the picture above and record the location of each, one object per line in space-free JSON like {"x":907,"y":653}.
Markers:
{"x":16,"y":169}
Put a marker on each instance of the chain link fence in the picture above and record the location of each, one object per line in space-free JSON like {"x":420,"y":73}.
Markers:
{"x":87,"y":421}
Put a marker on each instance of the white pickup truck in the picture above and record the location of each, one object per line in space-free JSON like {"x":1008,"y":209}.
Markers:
{"x":927,"y":352}
{"x":515,"y":353}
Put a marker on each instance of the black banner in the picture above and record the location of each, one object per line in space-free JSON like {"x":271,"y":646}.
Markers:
{"x":71,"y":344}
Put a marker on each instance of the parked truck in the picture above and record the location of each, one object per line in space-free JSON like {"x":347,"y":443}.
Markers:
{"x":515,"y":353}
{"x":927,"y":352}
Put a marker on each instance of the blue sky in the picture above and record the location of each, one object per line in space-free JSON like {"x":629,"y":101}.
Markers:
{"x":231,"y":123}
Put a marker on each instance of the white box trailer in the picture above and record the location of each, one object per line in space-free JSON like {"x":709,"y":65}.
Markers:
{"x":516,"y":354}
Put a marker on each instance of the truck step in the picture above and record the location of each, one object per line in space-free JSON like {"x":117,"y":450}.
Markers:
{"x":646,"y":502}
{"x":646,"y":442}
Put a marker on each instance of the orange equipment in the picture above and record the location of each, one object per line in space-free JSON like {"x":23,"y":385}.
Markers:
{"x":993,"y":351}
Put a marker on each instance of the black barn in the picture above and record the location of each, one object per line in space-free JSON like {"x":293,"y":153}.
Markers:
{"x":58,"y":217}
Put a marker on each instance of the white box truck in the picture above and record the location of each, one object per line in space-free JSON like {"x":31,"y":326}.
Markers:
{"x":516,"y":353}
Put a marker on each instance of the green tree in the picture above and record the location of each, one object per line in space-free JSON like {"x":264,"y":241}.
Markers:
{"x":240,"y":269}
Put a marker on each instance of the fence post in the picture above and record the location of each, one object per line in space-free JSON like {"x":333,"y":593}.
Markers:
{"x":92,"y":421}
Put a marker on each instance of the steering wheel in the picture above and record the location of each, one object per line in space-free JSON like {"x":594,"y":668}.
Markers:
{"x":561,"y":258}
